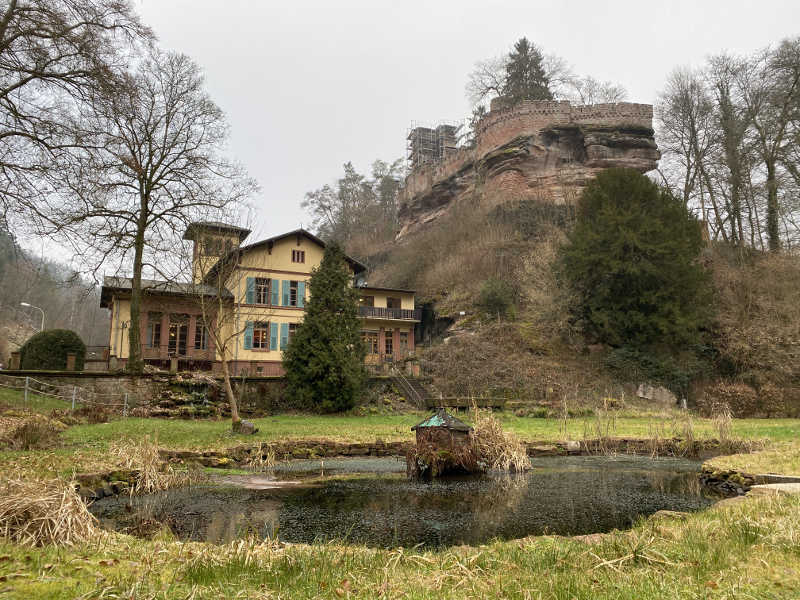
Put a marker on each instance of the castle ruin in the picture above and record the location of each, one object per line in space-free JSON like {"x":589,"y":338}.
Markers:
{"x":546,"y":150}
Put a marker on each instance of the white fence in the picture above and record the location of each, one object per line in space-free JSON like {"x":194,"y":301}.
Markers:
{"x":73,"y":396}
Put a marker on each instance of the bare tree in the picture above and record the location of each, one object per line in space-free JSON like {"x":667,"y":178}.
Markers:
{"x":770,"y":85}
{"x":588,"y":90}
{"x":729,"y":136}
{"x":215,"y":288}
{"x":52,"y":54}
{"x":155,"y":163}
{"x":486,"y":80}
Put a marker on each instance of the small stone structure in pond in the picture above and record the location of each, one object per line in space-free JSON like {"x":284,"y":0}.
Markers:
{"x":444,"y":446}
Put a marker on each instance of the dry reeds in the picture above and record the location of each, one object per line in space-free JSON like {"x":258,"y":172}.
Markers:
{"x":29,"y":432}
{"x":497,"y":449}
{"x":153,"y":474}
{"x":38,"y":512}
{"x":262,"y":459}
{"x":722,"y":421}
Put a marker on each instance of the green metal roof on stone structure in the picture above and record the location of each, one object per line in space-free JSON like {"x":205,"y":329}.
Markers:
{"x":442,"y":419}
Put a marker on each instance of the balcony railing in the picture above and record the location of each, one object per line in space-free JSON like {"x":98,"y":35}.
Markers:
{"x":404,"y":314}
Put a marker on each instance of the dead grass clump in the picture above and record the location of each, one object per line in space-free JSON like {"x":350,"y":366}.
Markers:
{"x":29,"y":432}
{"x":153,"y":474}
{"x":39,"y":512}
{"x":499,"y":450}
{"x":262,"y":459}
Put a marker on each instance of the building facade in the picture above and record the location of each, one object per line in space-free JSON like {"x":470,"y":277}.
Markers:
{"x":261,"y":290}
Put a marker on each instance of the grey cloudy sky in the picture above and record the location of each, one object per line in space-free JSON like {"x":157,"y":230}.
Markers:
{"x":308,"y":86}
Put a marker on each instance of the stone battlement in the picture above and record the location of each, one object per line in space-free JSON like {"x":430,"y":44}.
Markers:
{"x":502,"y":125}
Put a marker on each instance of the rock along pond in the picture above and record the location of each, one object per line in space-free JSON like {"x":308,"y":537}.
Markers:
{"x":370,"y":501}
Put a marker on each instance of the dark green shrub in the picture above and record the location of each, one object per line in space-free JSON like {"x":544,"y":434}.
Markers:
{"x":47,"y":350}
{"x":496,"y":298}
{"x":632,"y":261}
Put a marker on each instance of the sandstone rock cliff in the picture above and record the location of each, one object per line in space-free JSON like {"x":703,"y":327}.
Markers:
{"x":543,"y":150}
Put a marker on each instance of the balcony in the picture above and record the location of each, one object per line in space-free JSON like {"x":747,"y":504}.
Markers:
{"x":391,"y":314}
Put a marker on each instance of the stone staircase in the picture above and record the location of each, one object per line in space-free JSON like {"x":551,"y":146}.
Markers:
{"x":415,"y":391}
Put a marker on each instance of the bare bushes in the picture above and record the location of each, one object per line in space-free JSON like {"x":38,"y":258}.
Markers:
{"x":452,"y":257}
{"x":153,"y":474}
{"x":471,"y":363}
{"x":496,"y":449}
{"x":37,"y":512}
{"x":744,"y":400}
{"x":758,"y":314}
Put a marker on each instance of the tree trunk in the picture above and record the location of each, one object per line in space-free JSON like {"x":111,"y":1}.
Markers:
{"x":773,"y":233}
{"x":235,"y":418}
{"x":135,"y":362}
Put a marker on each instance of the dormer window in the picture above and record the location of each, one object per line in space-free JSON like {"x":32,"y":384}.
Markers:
{"x":298,"y":256}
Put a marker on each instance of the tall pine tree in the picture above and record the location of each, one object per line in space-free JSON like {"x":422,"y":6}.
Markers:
{"x":324,"y":361}
{"x":526,"y":78}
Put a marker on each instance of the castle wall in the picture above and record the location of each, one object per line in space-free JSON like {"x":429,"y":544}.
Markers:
{"x":501,"y":126}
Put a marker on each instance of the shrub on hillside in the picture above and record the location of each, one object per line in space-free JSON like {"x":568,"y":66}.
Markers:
{"x":47,"y":350}
{"x":632,"y":260}
{"x":496,"y":298}
{"x":741,"y":399}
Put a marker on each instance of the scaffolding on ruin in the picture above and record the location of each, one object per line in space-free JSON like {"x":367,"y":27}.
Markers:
{"x":429,"y":144}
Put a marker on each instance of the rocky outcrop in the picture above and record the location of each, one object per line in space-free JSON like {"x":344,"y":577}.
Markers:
{"x":542,"y":150}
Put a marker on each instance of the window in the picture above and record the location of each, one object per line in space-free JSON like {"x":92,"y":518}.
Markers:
{"x":403,"y":342}
{"x":292,"y":293}
{"x":298,"y":256}
{"x":178,"y":332}
{"x":370,"y":339}
{"x":212,"y":246}
{"x":393,"y":303}
{"x":389,"y":343}
{"x":261,"y":335}
{"x":292,"y":330}
{"x":262,"y":291}
{"x":153,"y":329}
{"x":200,"y":335}
{"x":367,"y":300}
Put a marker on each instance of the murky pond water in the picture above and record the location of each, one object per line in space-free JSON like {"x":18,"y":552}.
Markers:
{"x":369,"y":501}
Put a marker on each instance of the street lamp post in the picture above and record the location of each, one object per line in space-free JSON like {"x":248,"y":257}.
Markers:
{"x":37,"y":308}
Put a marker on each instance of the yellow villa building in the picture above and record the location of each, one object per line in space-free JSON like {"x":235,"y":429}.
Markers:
{"x":264,"y":293}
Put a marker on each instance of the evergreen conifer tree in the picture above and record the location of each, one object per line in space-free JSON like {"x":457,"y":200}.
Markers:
{"x":324,"y":361}
{"x":632,"y":258}
{"x":525,"y":75}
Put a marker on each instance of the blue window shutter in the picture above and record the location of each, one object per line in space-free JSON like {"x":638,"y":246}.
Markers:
{"x":248,"y":335}
{"x":285,"y":292}
{"x":250,"y":296}
{"x":301,"y":293}
{"x":284,"y":335}
{"x":276,"y":292}
{"x":273,"y":336}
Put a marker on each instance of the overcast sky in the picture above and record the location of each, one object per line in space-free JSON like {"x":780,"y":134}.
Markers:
{"x":308,"y":86}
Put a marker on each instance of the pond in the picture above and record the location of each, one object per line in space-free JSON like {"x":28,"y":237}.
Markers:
{"x":370,"y":501}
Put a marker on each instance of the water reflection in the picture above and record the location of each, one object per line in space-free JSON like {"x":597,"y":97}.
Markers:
{"x":560,"y":495}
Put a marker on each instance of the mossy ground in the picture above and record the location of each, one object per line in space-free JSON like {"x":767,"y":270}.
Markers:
{"x":750,"y":549}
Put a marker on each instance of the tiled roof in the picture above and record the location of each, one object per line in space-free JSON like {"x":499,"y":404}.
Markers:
{"x":155,"y":286}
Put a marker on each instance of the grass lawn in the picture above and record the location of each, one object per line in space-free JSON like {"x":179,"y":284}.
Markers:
{"x":746,"y":550}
